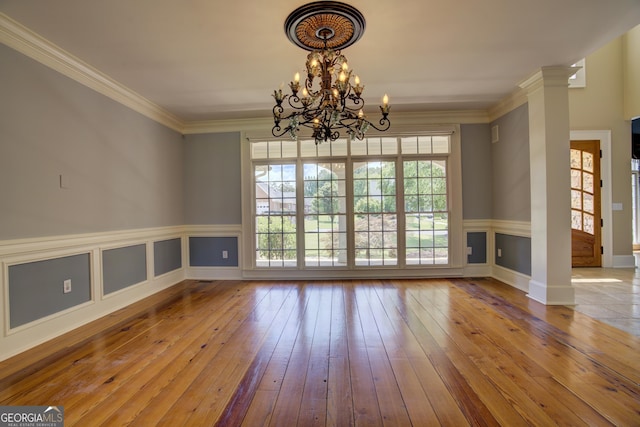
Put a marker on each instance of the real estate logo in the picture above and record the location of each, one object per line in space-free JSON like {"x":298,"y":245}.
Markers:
{"x":31,"y":416}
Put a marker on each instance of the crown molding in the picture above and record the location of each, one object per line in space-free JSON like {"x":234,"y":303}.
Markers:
{"x":546,"y":76}
{"x":441,"y":117}
{"x":260,"y":124}
{"x":509,"y":103}
{"x":25,"y":41}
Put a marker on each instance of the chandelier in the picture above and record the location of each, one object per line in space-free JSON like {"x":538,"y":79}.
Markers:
{"x":330,"y":100}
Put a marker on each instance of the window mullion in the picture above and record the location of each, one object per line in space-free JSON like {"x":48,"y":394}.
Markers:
{"x":400,"y":213}
{"x":351,"y":245}
{"x":300,"y":246}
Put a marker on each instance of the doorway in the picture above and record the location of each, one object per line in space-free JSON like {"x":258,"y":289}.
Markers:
{"x":635,"y":183}
{"x":586,"y":220}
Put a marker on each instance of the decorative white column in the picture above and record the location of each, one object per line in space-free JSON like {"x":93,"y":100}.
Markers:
{"x":547,"y":93}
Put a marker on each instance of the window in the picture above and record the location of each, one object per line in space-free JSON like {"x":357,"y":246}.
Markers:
{"x":579,"y":78}
{"x":275,"y":207}
{"x":375,"y":216}
{"x":425,"y":206}
{"x":325,"y":214}
{"x":381,"y":203}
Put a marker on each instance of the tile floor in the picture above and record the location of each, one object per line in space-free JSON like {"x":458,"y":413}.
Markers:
{"x":611,"y":295}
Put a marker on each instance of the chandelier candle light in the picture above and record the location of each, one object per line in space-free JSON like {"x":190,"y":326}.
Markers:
{"x":329,"y":101}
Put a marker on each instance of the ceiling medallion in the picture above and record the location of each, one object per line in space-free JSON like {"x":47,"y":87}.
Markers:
{"x":329,"y":102}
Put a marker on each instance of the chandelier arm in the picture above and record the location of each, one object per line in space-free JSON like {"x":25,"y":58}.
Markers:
{"x":385,"y":123}
{"x":277,"y":116}
{"x":294,"y":99}
{"x":278,"y":131}
{"x":356,"y":99}
{"x":277,"y":110}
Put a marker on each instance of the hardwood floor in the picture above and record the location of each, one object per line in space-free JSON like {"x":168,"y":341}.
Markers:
{"x":379,"y":352}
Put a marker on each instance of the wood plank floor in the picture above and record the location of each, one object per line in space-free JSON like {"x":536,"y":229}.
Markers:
{"x":374,"y":352}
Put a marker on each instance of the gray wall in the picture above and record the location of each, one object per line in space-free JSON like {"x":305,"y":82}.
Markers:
{"x":476,"y":171}
{"x":477,"y":241}
{"x":167,"y":256}
{"x":36,"y":288}
{"x":207,"y":251}
{"x":212,"y":193}
{"x":515,"y":253}
{"x":123,"y":170}
{"x":511,"y":187}
{"x":123,"y":267}
{"x":510,"y":167}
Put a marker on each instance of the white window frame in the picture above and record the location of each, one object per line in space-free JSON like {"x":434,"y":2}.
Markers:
{"x":456,"y":234}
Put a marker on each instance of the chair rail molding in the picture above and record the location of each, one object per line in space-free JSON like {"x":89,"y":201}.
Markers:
{"x":14,"y":340}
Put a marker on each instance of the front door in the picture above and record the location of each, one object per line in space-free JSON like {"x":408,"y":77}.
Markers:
{"x":585,"y":204}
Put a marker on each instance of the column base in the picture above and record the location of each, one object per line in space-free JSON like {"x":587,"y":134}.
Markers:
{"x":551,"y":295}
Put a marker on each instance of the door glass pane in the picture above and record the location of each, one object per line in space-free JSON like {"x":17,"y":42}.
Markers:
{"x":576,"y":220}
{"x":576,"y":199}
{"x":588,"y":223}
{"x":576,"y":179}
{"x":587,"y":161}
{"x":588,"y":203}
{"x":587,"y":182}
{"x":576,"y":158}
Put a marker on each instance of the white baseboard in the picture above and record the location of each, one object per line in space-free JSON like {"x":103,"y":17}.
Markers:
{"x":477,"y":270}
{"x":512,"y":278}
{"x":551,"y":295}
{"x":214,"y":273}
{"x":624,"y":261}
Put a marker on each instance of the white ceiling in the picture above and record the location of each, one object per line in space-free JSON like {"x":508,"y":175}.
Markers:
{"x":212,"y":59}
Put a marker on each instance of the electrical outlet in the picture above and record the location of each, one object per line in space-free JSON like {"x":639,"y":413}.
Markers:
{"x":499,"y":252}
{"x":225,"y":254}
{"x":66,"y":286}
